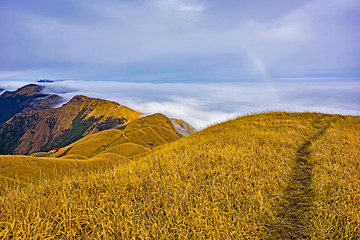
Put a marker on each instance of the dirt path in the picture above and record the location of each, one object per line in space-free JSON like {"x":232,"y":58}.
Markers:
{"x":297,"y":199}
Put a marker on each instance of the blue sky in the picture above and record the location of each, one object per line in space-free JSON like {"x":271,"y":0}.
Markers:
{"x":179,"y":40}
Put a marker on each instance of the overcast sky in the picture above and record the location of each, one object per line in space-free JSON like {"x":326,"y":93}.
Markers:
{"x":179,"y":40}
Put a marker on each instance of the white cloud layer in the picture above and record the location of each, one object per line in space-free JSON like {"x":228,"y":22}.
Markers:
{"x":204,"y":104}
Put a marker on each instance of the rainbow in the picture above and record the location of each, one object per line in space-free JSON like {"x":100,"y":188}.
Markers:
{"x":264,"y":75}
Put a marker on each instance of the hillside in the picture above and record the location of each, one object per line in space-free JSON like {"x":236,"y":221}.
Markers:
{"x":137,"y":137}
{"x":264,"y":176}
{"x":42,"y":130}
{"x":98,"y":151}
{"x":25,"y":99}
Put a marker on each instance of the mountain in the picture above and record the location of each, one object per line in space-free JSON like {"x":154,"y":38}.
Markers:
{"x":264,"y":176}
{"x":135,"y":138}
{"x":42,"y":130}
{"x":95,"y":152}
{"x":45,"y":81}
{"x":25,"y":99}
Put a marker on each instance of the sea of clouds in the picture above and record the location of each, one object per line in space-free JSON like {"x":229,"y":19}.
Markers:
{"x":203,"y":104}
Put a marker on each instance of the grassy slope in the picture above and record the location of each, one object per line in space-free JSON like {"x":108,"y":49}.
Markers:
{"x":224,"y":182}
{"x":135,"y":138}
{"x":15,"y":169}
{"x":336,"y":182}
{"x":93,"y":108}
{"x":94,"y":152}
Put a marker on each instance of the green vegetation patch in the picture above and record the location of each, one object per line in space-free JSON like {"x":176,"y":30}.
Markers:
{"x":77,"y":130}
{"x":10,"y":134}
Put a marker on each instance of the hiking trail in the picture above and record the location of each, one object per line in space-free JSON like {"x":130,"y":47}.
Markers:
{"x":294,"y":208}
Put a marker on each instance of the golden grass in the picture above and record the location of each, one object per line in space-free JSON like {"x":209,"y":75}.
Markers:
{"x":219,"y":183}
{"x":336,"y":182}
{"x":137,"y":137}
{"x":75,"y":156}
{"x":26,"y":169}
{"x":128,"y":149}
{"x":110,"y":156}
{"x":92,"y":153}
{"x":97,"y":108}
{"x":224,"y":182}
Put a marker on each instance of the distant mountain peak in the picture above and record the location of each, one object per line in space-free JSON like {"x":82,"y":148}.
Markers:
{"x":45,"y":81}
{"x":80,"y":99}
{"x":30,"y":90}
{"x":35,"y":127}
{"x":46,"y":129}
{"x":25,"y":99}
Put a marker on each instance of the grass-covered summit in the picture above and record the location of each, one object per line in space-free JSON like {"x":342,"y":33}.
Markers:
{"x":137,"y":137}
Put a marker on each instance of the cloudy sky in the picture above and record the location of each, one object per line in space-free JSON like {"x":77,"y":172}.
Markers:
{"x":200,"y":60}
{"x":179,"y":40}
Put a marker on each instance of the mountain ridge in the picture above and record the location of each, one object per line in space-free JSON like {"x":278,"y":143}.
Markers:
{"x":135,"y":138}
{"x":42,"y":130}
{"x":25,"y":99}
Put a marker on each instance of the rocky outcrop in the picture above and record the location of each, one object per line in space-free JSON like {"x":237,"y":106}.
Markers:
{"x":182,"y":127}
